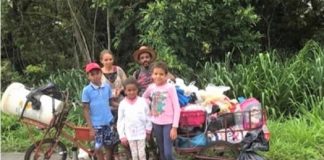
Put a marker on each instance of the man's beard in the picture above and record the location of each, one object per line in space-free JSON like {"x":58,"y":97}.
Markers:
{"x":146,"y":64}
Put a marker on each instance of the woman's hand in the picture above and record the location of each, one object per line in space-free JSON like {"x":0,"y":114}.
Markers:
{"x":117,"y":92}
{"x":173,"y":133}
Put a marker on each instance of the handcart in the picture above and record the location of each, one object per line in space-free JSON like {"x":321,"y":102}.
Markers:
{"x":215,"y":137}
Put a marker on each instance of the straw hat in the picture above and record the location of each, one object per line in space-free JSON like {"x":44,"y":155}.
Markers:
{"x":144,"y":49}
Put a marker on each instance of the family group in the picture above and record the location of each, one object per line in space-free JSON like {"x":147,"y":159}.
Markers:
{"x":142,"y":104}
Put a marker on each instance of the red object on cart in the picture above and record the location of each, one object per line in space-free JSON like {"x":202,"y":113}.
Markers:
{"x":192,"y":118}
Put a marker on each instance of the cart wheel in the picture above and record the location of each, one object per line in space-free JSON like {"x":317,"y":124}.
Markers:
{"x":58,"y":153}
{"x":220,"y":150}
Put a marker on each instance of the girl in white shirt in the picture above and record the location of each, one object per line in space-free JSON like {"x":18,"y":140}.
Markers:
{"x":134,"y":124}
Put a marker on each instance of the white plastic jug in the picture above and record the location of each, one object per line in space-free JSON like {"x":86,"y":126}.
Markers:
{"x":14,"y":99}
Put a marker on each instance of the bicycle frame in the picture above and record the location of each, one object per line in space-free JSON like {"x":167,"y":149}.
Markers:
{"x":58,"y":134}
{"x":61,"y":128}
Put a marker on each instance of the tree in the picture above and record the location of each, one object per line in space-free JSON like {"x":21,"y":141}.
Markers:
{"x":199,"y":30}
{"x":289,"y":24}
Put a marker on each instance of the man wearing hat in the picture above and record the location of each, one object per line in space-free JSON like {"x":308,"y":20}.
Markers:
{"x":144,"y":56}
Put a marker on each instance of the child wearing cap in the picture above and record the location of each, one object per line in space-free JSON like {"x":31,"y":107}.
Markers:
{"x":96,"y":99}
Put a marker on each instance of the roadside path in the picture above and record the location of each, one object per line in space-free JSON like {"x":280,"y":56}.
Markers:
{"x":12,"y":156}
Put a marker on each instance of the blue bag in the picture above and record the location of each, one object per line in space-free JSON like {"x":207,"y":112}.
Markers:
{"x":199,"y":140}
{"x":183,"y":100}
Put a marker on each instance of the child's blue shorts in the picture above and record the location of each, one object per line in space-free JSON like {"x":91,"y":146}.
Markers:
{"x":104,"y":136}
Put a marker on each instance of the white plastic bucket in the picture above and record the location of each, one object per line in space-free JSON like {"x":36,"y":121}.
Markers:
{"x":14,"y":98}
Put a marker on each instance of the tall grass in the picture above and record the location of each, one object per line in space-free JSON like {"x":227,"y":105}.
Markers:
{"x":281,"y":85}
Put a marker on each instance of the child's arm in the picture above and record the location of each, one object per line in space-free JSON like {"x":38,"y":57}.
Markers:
{"x":147,"y":95}
{"x":176,"y":112}
{"x":86,"y":114}
{"x":148,"y":123}
{"x":175,"y":106}
{"x":86,"y":107}
{"x":121,"y":124}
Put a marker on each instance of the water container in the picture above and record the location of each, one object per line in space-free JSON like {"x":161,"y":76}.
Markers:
{"x":14,"y":99}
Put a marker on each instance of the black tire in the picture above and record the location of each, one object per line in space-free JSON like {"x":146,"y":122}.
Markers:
{"x":59,"y":152}
{"x":219,"y":150}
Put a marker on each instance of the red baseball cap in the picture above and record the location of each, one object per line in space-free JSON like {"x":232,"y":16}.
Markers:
{"x":91,"y":66}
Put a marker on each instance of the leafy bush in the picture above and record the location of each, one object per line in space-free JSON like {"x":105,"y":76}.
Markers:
{"x":72,"y":81}
{"x":8,"y":75}
{"x":35,"y":73}
{"x":13,"y":134}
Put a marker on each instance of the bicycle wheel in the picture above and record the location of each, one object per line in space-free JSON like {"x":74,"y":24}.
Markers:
{"x":58,"y":153}
{"x":220,"y":150}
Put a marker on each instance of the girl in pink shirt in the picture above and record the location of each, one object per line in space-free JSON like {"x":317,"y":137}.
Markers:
{"x":165,"y":110}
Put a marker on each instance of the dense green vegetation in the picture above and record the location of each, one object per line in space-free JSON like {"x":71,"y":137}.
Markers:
{"x":40,"y":37}
{"x":271,"y":50}
{"x":302,"y":128}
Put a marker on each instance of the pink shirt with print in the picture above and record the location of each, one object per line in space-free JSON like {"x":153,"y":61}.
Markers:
{"x":164,"y":103}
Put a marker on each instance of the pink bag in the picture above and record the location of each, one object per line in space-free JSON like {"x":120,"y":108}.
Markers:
{"x":252,"y":113}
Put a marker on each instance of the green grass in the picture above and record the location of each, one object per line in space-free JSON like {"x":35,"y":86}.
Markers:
{"x":296,"y":138}
{"x":14,"y":135}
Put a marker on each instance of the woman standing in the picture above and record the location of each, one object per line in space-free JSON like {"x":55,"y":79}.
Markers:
{"x":112,"y":74}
